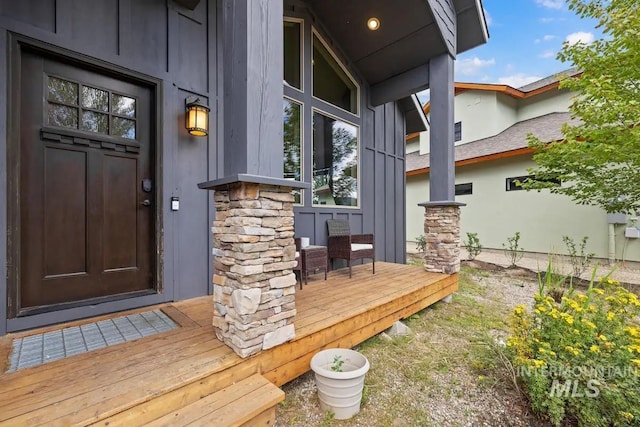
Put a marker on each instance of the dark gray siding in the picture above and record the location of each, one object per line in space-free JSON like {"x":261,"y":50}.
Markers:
{"x":444,"y":13}
{"x":382,"y":188}
{"x":382,"y":170}
{"x":3,"y":183}
{"x":253,"y":69}
{"x":175,"y":50}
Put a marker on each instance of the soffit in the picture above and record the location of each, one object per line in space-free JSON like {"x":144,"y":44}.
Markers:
{"x":408,"y":36}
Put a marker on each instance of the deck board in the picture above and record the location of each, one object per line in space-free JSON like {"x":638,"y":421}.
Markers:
{"x":144,"y":380}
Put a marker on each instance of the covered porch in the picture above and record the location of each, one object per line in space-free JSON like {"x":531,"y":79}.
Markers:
{"x":158,"y":378}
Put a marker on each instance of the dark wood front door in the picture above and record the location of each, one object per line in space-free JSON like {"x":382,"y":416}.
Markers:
{"x":86,"y":191}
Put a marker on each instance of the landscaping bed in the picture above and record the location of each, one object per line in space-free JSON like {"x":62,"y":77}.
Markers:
{"x":448,"y":372}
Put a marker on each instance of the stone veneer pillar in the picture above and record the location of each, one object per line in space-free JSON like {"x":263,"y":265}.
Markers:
{"x":442,"y":233}
{"x":254,"y":256}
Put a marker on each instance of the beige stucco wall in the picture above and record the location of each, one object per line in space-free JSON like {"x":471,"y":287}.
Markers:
{"x":474,"y":108}
{"x":542,"y":218}
{"x":495,"y":214}
{"x":506,"y":114}
{"x":487,"y":113}
{"x":413,"y":145}
{"x":417,"y":192}
{"x":549,"y":102}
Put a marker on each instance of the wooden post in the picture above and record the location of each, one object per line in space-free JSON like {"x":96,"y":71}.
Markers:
{"x":253,"y":69}
{"x":441,"y":153}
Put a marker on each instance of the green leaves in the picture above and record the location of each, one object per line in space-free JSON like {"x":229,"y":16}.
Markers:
{"x":599,"y":159}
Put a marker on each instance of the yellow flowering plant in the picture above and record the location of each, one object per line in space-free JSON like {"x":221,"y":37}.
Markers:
{"x":578,"y":355}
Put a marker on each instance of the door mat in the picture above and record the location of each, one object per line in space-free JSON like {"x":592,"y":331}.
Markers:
{"x":54,"y":345}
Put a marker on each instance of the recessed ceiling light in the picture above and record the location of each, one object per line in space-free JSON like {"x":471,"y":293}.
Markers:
{"x":373,"y":24}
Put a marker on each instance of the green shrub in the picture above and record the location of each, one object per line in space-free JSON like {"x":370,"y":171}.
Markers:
{"x":472,"y":245}
{"x":512,"y":249}
{"x":579,"y":260}
{"x":421,"y":243}
{"x":579,"y":358}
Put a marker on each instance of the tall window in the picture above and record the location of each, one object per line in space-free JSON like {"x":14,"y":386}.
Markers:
{"x":335,"y":161}
{"x":457,"y":131}
{"x":329,"y":107}
{"x":292,"y":54}
{"x":331,"y":83}
{"x":292,"y":144}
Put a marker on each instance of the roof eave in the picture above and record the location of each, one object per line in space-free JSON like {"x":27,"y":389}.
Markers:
{"x":471,"y":17}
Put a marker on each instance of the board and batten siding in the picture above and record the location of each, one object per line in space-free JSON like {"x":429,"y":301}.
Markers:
{"x":174,"y":51}
{"x":381,"y":169}
{"x":382,"y":183}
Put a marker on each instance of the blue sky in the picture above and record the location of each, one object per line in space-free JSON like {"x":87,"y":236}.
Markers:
{"x":525,"y":37}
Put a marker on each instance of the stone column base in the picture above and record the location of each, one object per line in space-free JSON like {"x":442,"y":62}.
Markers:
{"x":254,"y":256}
{"x":442,"y":233}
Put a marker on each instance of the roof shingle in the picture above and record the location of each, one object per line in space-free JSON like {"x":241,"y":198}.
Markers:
{"x":547,"y":128}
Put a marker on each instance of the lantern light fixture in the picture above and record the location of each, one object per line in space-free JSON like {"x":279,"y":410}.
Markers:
{"x":197,"y":116}
{"x":373,"y":23}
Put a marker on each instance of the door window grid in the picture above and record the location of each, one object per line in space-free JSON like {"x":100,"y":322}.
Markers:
{"x":78,"y":106}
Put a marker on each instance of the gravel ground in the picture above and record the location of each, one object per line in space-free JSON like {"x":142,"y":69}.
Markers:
{"x":445,"y":373}
{"x":448,"y":373}
{"x":626,"y":272}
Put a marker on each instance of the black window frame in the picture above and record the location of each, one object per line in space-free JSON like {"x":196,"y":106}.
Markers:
{"x":464,"y":189}
{"x":457,"y":131}
{"x":511,"y":185}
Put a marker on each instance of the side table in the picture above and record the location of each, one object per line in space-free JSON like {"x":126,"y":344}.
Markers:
{"x":312,"y":258}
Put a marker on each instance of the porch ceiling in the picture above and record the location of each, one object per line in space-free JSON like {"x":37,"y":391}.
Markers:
{"x":408,"y":36}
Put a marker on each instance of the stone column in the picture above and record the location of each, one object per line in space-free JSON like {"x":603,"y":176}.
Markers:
{"x":442,"y":233}
{"x":254,"y":256}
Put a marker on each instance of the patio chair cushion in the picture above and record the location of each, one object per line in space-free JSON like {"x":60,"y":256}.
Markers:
{"x":341,"y":244}
{"x":360,"y":246}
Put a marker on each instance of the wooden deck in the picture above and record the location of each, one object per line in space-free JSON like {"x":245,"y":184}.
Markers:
{"x":137,"y":382}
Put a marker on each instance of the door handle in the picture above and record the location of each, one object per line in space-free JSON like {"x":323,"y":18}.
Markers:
{"x":147,"y":202}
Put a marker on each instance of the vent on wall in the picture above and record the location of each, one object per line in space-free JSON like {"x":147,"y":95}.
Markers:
{"x":632,"y":232}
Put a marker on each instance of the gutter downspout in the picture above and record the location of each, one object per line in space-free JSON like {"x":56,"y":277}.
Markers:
{"x":612,"y":244}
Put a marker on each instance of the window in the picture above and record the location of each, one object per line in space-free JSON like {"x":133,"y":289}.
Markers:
{"x":515,"y":183}
{"x":292,"y":54}
{"x":335,"y":161}
{"x":327,"y":154}
{"x":331,"y":83}
{"x":464,"y":189}
{"x":292,"y":144}
{"x":78,"y":106}
{"x":457,"y":131}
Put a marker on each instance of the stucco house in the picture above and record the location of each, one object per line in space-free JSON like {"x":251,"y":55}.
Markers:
{"x":491,"y":154}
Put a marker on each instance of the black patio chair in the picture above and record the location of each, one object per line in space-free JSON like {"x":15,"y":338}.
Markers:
{"x":350,"y":247}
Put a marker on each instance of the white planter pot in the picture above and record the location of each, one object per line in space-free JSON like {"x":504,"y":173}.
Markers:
{"x":340,"y":392}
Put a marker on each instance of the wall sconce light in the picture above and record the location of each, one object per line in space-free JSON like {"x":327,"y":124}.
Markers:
{"x":197,"y":116}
